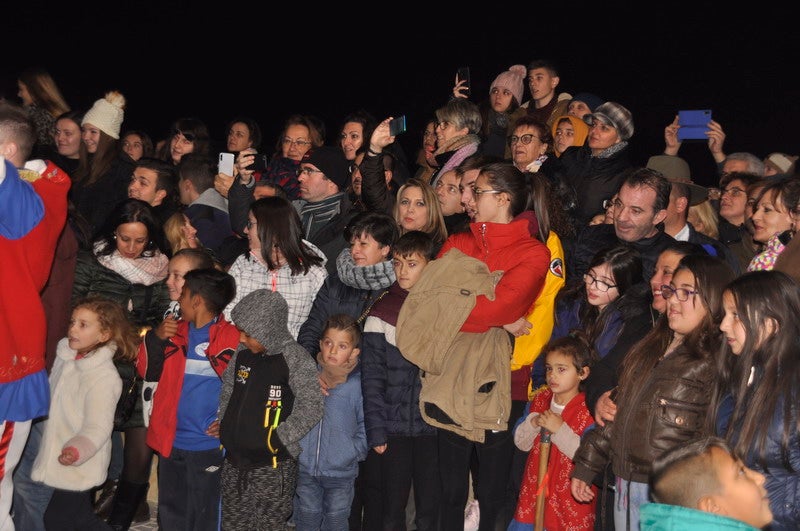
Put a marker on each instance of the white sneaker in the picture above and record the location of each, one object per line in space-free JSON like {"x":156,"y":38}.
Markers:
{"x":472,"y":516}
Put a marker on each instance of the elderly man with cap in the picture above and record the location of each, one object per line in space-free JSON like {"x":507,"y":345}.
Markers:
{"x":686,"y":193}
{"x":595,"y":170}
{"x":323,"y":206}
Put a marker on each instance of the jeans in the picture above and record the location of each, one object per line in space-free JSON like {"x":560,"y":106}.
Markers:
{"x":189,"y":489}
{"x":630,"y":495}
{"x":30,"y":497}
{"x":322,"y":502}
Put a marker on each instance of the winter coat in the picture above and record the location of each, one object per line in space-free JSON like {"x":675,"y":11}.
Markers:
{"x":334,"y":447}
{"x":669,"y":406}
{"x":84,"y":396}
{"x":390,"y":383}
{"x":96,"y":201}
{"x":593,"y":179}
{"x":662,"y":517}
{"x":164,"y":361}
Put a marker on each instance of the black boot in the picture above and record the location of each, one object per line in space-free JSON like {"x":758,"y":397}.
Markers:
{"x":126,"y":502}
{"x":105,"y":498}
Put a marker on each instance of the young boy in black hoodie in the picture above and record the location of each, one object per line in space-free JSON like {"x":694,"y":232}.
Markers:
{"x":270,"y":399}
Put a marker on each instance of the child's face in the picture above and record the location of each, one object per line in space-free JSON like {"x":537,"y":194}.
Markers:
{"x":742,"y":494}
{"x":601,"y":277}
{"x":178,"y":267}
{"x":252,"y":344}
{"x":337,"y":346}
{"x":85,"y":332}
{"x":408,"y":269}
{"x":731,"y":326}
{"x":562,"y":376}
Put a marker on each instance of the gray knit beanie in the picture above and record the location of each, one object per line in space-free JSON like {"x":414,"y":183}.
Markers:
{"x":263,"y":315}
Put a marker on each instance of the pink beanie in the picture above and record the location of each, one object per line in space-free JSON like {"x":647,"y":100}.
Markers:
{"x":511,"y":79}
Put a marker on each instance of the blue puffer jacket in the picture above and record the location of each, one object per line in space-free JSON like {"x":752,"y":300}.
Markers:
{"x":782,"y":484}
{"x":390,"y":383}
{"x":338,"y":442}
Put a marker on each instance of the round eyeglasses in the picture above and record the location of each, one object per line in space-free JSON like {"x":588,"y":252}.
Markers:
{"x":525,"y":139}
{"x":601,"y":285}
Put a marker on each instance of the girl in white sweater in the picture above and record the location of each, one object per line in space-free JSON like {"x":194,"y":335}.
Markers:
{"x":84,"y":389}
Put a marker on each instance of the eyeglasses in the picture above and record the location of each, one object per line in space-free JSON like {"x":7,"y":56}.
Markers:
{"x":601,"y":285}
{"x":477,"y":192}
{"x":250,"y":224}
{"x":681,"y":293}
{"x":354,"y":167}
{"x":298,"y":142}
{"x":525,"y":139}
{"x":733,"y":192}
{"x":442,"y":125}
{"x":307,"y":171}
{"x":450,"y":188}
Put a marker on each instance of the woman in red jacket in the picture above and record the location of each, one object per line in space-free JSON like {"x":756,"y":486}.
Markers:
{"x":504,"y":243}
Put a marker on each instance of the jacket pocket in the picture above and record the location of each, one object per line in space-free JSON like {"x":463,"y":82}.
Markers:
{"x":675,"y":422}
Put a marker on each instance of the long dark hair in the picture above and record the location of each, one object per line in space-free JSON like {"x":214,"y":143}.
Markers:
{"x":130,"y":211}
{"x":711,"y":275}
{"x":505,"y":177}
{"x":92,"y":166}
{"x":626,"y":267}
{"x":763,"y":298}
{"x":279,"y":225}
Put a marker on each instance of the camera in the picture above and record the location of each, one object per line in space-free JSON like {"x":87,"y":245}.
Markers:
{"x":259,"y":163}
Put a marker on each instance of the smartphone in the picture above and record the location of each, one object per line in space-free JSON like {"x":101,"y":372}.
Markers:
{"x":225,"y":164}
{"x":397,"y":126}
{"x":463,"y":75}
{"x":693,"y":124}
{"x":259,"y":163}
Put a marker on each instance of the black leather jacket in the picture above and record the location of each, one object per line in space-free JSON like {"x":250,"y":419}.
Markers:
{"x":668,"y":407}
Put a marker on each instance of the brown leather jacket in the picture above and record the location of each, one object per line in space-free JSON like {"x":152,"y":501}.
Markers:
{"x":668,"y":408}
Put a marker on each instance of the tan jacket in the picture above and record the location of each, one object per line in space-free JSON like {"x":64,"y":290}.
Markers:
{"x":466,"y":378}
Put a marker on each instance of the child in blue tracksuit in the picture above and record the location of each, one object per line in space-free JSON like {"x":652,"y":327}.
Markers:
{"x":328,"y":464}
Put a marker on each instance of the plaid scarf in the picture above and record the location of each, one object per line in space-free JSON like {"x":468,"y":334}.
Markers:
{"x":145,"y":270}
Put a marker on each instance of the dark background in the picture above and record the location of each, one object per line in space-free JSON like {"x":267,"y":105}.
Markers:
{"x":176,"y":59}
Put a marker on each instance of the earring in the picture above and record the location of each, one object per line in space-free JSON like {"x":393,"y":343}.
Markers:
{"x":115,"y":236}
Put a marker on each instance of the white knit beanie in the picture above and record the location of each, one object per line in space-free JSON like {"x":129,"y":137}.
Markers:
{"x":106,"y":114}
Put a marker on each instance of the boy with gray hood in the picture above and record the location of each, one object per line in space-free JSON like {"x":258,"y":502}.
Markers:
{"x":270,"y":399}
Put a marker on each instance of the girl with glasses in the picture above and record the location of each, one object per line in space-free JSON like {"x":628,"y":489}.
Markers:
{"x":663,"y":398}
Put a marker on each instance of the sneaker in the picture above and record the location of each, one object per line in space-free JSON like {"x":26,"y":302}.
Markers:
{"x":472,"y":516}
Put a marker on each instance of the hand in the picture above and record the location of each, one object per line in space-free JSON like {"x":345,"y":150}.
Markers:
{"x":245,"y":158}
{"x":223,"y":183}
{"x":520,"y":327}
{"x":213,"y":429}
{"x":380,"y":448}
{"x":323,"y":387}
{"x":581,"y":491}
{"x":671,"y":142}
{"x":68,"y":455}
{"x":380,"y":136}
{"x":605,"y":409}
{"x":460,"y":88}
{"x":716,"y":139}
{"x":168,"y":328}
{"x":550,"y":421}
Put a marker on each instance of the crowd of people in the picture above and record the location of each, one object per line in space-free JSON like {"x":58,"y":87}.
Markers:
{"x":517,"y":327}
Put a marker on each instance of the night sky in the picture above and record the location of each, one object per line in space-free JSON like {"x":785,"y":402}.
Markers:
{"x":179,"y":60}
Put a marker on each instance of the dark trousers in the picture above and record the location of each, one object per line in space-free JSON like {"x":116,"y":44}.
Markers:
{"x":189,"y":489}
{"x":72,"y":511}
{"x":410,"y":460}
{"x":493,"y":458}
{"x":366,"y":512}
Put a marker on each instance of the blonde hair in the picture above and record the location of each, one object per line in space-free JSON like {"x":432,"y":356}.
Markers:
{"x":708,"y":217}
{"x":44,"y":90}
{"x":113,"y":319}
{"x":434,"y":225}
{"x":175,"y":236}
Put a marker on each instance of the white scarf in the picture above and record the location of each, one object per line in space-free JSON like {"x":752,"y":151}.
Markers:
{"x":145,"y":270}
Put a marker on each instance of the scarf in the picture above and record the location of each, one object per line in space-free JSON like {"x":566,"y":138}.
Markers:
{"x":333,"y":375}
{"x":371,"y":277}
{"x":316,"y":215}
{"x":609,"y":151}
{"x":464,"y":146}
{"x":145,"y":270}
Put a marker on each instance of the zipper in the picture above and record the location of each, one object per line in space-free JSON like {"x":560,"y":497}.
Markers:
{"x":483,"y":241}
